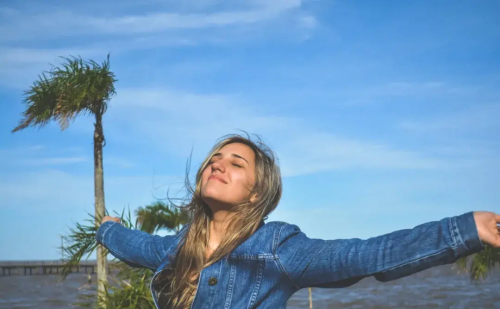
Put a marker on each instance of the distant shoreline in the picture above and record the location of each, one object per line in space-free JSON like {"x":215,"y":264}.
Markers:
{"x":43,"y":262}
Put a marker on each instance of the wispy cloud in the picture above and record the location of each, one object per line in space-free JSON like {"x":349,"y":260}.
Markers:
{"x":175,"y":121}
{"x":315,"y":151}
{"x":122,"y":162}
{"x":24,"y":33}
{"x":51,"y":189}
{"x":403,"y":89}
{"x":65,"y":21}
{"x":477,"y":117}
{"x":50,"y":161}
{"x":21,"y":150}
{"x":38,"y":155}
{"x":20,"y":66}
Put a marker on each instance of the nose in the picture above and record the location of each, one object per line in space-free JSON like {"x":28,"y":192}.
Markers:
{"x":218,"y":166}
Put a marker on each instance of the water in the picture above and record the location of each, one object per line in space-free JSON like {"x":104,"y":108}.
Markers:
{"x":439,"y":287}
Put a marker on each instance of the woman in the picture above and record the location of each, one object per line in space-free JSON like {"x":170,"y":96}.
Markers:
{"x":227,"y":257}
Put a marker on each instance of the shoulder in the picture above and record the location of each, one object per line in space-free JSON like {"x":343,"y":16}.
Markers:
{"x":264,"y":241}
{"x":281,"y":227}
{"x":280,"y":231}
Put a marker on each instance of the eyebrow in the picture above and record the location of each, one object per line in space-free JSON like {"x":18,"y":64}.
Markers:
{"x":233,"y":155}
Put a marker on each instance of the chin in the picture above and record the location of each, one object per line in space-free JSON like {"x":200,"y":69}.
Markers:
{"x":214,"y":200}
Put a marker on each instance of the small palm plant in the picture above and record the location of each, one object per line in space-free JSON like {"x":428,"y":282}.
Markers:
{"x":159,"y":215}
{"x":480,"y":264}
{"x":130,"y":287}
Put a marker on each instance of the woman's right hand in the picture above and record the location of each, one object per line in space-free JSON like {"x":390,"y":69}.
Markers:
{"x":488,"y":227}
{"x":108,"y":218}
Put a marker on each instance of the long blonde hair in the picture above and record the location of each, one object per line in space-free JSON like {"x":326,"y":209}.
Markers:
{"x":191,"y":255}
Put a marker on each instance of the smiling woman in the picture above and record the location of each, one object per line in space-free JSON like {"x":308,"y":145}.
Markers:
{"x":227,"y":257}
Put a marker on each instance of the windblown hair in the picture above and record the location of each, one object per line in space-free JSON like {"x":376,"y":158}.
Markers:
{"x":191,"y":255}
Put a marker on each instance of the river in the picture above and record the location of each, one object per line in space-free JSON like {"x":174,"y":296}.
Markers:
{"x":439,"y":287}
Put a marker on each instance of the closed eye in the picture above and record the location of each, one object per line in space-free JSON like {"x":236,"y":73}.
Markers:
{"x":237,"y":165}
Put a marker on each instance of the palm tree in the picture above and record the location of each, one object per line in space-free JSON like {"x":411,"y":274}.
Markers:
{"x":61,"y":94}
{"x":161,"y":216}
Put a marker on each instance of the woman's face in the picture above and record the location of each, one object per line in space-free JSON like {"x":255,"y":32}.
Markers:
{"x":229,"y":177}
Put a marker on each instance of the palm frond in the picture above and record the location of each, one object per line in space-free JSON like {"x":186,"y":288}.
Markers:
{"x":40,"y":101}
{"x":130,"y":289}
{"x":62,"y":93}
{"x":480,"y":264}
{"x":159,"y":215}
{"x":81,"y":242}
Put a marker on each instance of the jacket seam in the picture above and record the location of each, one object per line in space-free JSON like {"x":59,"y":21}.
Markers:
{"x":156,"y":253}
{"x":168,"y":250}
{"x":453,"y":238}
{"x":460,"y":240}
{"x":281,"y":267}
{"x":412,"y":261}
{"x":229,"y":295}
{"x":258,"y":283}
{"x":251,"y":257}
{"x":107,"y":229}
{"x":119,"y":253}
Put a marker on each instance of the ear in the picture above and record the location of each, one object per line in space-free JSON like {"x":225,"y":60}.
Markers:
{"x":253,"y":198}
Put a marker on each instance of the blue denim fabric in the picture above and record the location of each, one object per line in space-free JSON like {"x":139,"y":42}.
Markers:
{"x":279,"y":259}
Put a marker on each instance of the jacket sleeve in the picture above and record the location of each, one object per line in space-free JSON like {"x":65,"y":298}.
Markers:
{"x":339,"y":263}
{"x":134,"y":247}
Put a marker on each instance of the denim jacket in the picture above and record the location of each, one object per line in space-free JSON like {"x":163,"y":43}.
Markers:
{"x":279,"y":259}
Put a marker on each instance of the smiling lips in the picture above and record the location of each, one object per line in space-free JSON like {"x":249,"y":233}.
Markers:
{"x":217,"y":178}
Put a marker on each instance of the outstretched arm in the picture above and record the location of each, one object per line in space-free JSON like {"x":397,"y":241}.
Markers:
{"x":133,"y":247}
{"x":338,"y":263}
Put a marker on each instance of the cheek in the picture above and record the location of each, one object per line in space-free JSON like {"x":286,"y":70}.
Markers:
{"x":244,"y":182}
{"x":205,"y":174}
{"x":204,"y":179}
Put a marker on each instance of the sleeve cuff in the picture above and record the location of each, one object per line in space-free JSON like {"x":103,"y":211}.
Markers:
{"x":103,"y":229}
{"x":464,"y":232}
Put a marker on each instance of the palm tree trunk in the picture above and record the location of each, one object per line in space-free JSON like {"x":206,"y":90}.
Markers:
{"x":99,"y":199}
{"x":310,"y":299}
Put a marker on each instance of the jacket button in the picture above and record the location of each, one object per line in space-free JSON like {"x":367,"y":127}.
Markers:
{"x":212,"y":281}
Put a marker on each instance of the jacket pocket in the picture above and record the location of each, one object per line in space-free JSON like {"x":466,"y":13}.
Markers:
{"x":244,"y":281}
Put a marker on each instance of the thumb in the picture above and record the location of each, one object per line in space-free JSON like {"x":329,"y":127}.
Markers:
{"x":108,"y":218}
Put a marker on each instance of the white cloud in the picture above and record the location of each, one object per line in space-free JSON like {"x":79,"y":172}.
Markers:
{"x":477,"y":117}
{"x":91,"y":34}
{"x":39,"y":155}
{"x":31,"y":56}
{"x":53,"y":189}
{"x":21,"y":66}
{"x":50,"y":161}
{"x":308,"y":21}
{"x":429,"y":89}
{"x":118,"y":161}
{"x":315,"y":151}
{"x":66,"y":22}
{"x":21,"y":150}
{"x":176,"y":121}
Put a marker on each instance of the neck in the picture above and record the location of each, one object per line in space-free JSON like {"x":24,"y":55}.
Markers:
{"x":218,"y":224}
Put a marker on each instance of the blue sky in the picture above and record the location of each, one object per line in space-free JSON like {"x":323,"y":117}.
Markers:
{"x":384,"y":115}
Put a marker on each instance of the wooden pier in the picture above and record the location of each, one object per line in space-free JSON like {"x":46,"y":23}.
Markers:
{"x":30,"y":268}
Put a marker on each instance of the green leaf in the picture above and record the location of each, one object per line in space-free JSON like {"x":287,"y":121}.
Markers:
{"x":480,"y":264}
{"x":62,"y":93}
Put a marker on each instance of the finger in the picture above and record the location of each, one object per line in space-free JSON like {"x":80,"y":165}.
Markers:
{"x":108,"y":218}
{"x":497,"y":218}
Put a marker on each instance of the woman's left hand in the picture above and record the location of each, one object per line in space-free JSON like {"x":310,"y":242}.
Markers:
{"x":487,"y":227}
